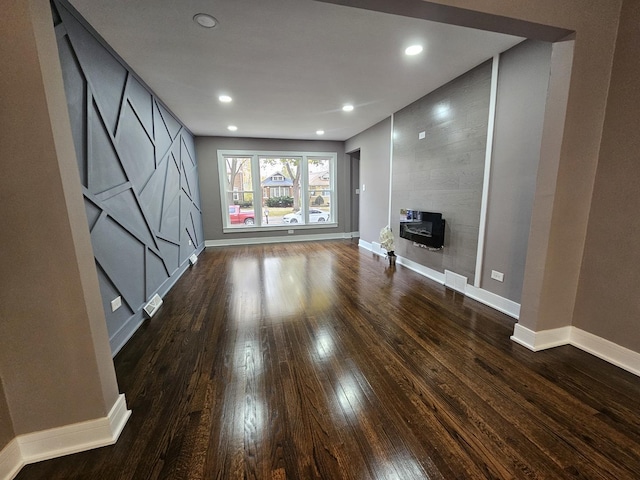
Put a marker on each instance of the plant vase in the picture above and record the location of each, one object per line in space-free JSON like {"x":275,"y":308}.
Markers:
{"x":392,"y":259}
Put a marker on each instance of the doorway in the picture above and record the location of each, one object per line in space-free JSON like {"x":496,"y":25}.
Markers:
{"x":355,"y":193}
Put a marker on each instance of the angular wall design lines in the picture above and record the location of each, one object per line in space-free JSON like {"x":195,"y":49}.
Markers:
{"x":139,"y":175}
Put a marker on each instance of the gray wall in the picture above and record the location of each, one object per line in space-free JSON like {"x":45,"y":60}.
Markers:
{"x":207,"y":152}
{"x":138,"y":171}
{"x":522,"y":90}
{"x":608,"y":303}
{"x":6,"y":426}
{"x":444,"y":171}
{"x":375,"y":146}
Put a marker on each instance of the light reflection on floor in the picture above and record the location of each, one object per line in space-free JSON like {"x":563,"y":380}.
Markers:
{"x":294,"y":287}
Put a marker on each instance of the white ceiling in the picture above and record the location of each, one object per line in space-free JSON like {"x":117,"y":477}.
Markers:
{"x":289,"y":65}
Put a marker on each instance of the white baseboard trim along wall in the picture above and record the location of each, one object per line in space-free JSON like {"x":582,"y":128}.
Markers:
{"x":57,"y":442}
{"x":452,"y":280}
{"x":226,"y":242}
{"x":536,"y":341}
{"x":598,"y":346}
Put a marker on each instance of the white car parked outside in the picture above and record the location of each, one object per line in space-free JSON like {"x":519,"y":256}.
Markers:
{"x":315,"y":215}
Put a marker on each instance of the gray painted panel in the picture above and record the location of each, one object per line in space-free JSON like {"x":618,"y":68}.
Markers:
{"x":125,"y":209}
{"x":131,"y":234}
{"x":142,"y":103}
{"x":121,"y":256}
{"x":170,"y":254}
{"x":171,"y":221}
{"x":115,"y":320}
{"x":153,"y":191}
{"x":136,"y":149}
{"x":162,"y":137}
{"x":105,"y":170}
{"x":155,"y":271}
{"x":186,"y":153}
{"x":104,"y":73}
{"x":93,"y":212}
{"x":184,"y":183}
{"x":185,"y":248}
{"x":172,"y":125}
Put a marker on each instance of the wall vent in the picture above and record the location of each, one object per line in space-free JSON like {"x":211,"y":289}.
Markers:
{"x":193,"y":259}
{"x":152,"y":307}
{"x":455,"y":281}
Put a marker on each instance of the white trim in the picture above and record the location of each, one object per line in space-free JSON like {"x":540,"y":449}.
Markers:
{"x":377,"y":249}
{"x":600,"y":347}
{"x":484,"y":205}
{"x":390,"y":169}
{"x":494,"y":301}
{"x":60,"y":441}
{"x":606,"y":350}
{"x":541,"y":340}
{"x":283,"y":239}
{"x":421,"y":269}
{"x":10,"y":460}
{"x":364,"y":244}
{"x":76,"y":437}
{"x":281,"y":227}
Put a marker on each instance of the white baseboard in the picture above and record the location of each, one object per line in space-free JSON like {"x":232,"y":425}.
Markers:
{"x":227,"y":242}
{"x":494,"y":301}
{"x":60,"y":441}
{"x":606,"y":350}
{"x":364,"y":244}
{"x":541,"y":340}
{"x":10,"y":460}
{"x":422,"y":270}
{"x":588,"y":342}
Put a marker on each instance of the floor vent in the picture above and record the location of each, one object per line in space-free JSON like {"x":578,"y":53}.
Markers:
{"x":152,"y":307}
{"x":193,"y":259}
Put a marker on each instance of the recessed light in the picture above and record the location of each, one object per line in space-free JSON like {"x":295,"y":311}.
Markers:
{"x":319,"y":132}
{"x":225,"y":98}
{"x":413,"y":50}
{"x":205,"y":20}
{"x":347,"y":108}
{"x":232,"y":128}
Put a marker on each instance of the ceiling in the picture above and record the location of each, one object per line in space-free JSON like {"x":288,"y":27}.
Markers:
{"x":290,"y":65}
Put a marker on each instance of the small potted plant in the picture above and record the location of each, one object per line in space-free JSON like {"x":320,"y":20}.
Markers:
{"x":386,"y":242}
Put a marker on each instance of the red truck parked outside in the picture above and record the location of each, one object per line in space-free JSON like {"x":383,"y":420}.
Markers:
{"x":236,"y":216}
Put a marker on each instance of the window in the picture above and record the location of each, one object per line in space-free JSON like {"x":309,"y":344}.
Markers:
{"x":277,"y":180}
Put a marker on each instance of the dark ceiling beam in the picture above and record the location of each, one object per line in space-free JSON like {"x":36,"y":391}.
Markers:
{"x":462,"y":17}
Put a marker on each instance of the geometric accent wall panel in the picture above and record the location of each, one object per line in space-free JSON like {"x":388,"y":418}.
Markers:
{"x":138,"y":170}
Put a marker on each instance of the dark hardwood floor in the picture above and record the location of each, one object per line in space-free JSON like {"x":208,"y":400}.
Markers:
{"x":316,"y":360}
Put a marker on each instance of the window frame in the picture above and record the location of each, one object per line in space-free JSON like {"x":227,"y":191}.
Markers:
{"x":257,"y":191}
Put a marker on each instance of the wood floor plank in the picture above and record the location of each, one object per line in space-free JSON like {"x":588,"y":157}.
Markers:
{"x":319,"y":361}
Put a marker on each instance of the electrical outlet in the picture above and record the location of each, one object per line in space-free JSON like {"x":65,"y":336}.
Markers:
{"x":189,"y":241}
{"x":289,"y":231}
{"x":421,"y":135}
{"x":364,"y":187}
{"x":116,"y":303}
{"x":499,"y":276}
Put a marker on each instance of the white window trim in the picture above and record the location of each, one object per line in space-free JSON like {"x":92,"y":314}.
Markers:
{"x":255,"y":155}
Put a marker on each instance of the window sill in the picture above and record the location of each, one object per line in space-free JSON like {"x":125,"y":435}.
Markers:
{"x":280,"y":228}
